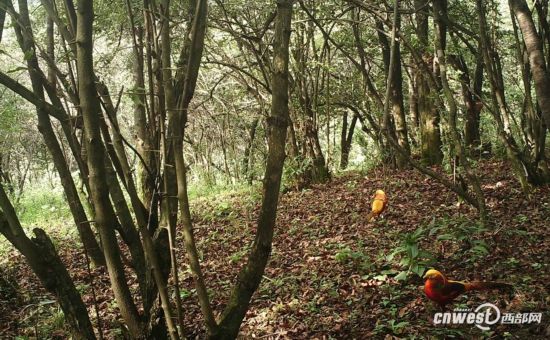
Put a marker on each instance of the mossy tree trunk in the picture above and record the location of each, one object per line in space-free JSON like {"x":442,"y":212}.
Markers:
{"x":430,"y":134}
{"x":397,"y":108}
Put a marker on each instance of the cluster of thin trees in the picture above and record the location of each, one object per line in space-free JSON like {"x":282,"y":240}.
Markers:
{"x":459,"y":80}
{"x":66,"y":90}
{"x":414,"y":77}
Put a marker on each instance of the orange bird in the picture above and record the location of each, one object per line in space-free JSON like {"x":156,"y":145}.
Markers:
{"x":379,"y":204}
{"x":443,"y":291}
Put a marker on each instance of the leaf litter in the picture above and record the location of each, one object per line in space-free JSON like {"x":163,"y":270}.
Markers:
{"x":330,"y":274}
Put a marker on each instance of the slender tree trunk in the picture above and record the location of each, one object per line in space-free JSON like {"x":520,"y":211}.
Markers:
{"x":153,"y":110}
{"x":430,"y":135}
{"x":294,"y":151}
{"x":343,"y":152}
{"x":500,"y":108}
{"x":440,"y":17}
{"x":537,"y":118}
{"x":127,"y":228}
{"x":530,"y":125}
{"x":317,"y":171}
{"x":414,"y":120}
{"x":247,"y":158}
{"x":105,"y":216}
{"x":119,"y":157}
{"x":346,"y":139}
{"x":397,"y":106}
{"x":2,"y":17}
{"x":251,"y":275}
{"x":177,"y":107}
{"x":142,"y":137}
{"x":472,"y":133}
{"x":187,"y":81}
{"x":26,"y":42}
{"x":471,"y":96}
{"x":42,"y":257}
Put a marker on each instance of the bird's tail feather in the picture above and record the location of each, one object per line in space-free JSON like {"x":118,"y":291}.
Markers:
{"x":370,"y":216}
{"x":486,"y":285}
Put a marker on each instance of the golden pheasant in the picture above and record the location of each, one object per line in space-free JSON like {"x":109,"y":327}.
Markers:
{"x":379,"y":204}
{"x":443,"y":291}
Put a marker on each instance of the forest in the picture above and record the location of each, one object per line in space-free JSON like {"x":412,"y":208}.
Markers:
{"x":284,"y":169}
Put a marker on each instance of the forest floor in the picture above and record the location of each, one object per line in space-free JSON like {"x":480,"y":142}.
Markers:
{"x":332,"y":274}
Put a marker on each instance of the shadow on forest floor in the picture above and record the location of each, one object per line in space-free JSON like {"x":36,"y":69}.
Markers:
{"x":330,"y":275}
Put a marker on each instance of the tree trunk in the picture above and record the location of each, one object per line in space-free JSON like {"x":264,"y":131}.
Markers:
{"x":42,"y":257}
{"x":500,"y":110}
{"x":247,"y":158}
{"x":440,"y":18}
{"x":317,"y":171}
{"x":472,"y":134}
{"x":397,"y":106}
{"x":144,"y":146}
{"x":471,"y":96}
{"x":533,"y":45}
{"x":251,"y":275}
{"x":344,"y":153}
{"x":26,"y":42}
{"x":535,"y":120}
{"x":430,"y":135}
{"x":176,"y":107}
{"x":2,"y":17}
{"x":346,"y":139}
{"x":105,"y":216}
{"x":414,"y":120}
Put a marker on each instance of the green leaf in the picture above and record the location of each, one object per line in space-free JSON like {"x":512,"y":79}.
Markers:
{"x":446,"y":237}
{"x":46,"y":302}
{"x":480,"y":249}
{"x":425,"y":254}
{"x":380,"y":277}
{"x":405,"y":261}
{"x":396,"y":251}
{"x":418,"y":232}
{"x":401,"y":324}
{"x":401,"y":276}
{"x":418,"y":269}
{"x":414,"y":251}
